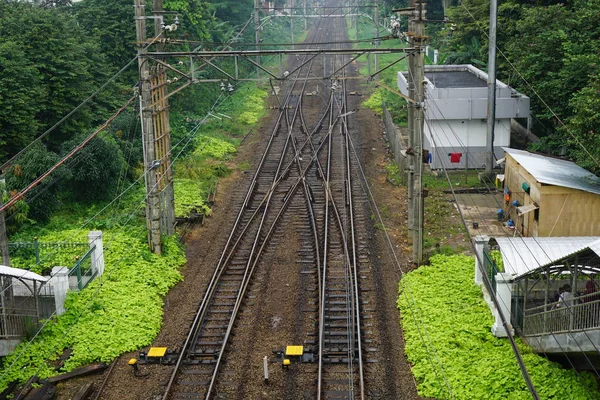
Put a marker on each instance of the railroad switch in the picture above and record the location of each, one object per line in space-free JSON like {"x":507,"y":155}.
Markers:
{"x":136,"y":369}
{"x":158,"y":355}
{"x":296,"y":354}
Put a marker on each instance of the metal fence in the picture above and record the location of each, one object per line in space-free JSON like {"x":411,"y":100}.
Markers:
{"x":25,"y":303}
{"x":82,"y":272}
{"x":36,"y":251}
{"x":559,"y":318}
{"x":16,"y":324}
{"x":396,"y":145}
{"x":22,"y":310}
{"x":491,"y":268}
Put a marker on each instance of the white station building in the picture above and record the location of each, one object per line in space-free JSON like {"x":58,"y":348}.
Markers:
{"x":456,"y":115}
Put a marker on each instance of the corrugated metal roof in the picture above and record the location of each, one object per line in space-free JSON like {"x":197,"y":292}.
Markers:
{"x":595,"y":247}
{"x":554,"y":171}
{"x":524,"y":254}
{"x":21,"y":273}
{"x":528,"y":208}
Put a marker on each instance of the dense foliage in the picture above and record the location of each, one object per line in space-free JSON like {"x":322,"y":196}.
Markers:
{"x":447,"y":325}
{"x":102,"y":188}
{"x":120,"y":312}
{"x":551,"y":51}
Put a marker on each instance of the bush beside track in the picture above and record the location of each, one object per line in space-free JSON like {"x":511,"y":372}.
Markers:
{"x":452,"y":350}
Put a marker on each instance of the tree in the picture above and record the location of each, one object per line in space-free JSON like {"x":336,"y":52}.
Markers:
{"x":235,"y":12}
{"x":43,"y":199}
{"x":584,"y":126}
{"x":95,"y":169}
{"x":20,"y":99}
{"x":111,"y":22}
{"x":68,"y":61}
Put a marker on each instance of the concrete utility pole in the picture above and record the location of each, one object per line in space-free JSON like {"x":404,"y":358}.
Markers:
{"x":292,"y":21}
{"x":355,"y":21}
{"x":305,"y":22}
{"x":416,"y":78}
{"x":491,"y":104}
{"x":257,"y":33}
{"x":376,"y":37}
{"x":411,"y":133}
{"x":162,"y":133}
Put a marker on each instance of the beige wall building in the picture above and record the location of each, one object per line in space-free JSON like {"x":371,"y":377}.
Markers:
{"x":553,"y":197}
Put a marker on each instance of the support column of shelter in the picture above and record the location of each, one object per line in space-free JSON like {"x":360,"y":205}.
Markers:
{"x":481,"y":245}
{"x":504,"y":296}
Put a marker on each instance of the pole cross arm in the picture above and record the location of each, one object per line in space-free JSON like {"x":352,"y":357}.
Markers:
{"x":169,"y":67}
{"x":264,"y":52}
{"x":257,"y":65}
{"x":218,"y":69}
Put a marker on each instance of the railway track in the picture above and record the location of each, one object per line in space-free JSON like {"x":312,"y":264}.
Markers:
{"x":303,"y":191}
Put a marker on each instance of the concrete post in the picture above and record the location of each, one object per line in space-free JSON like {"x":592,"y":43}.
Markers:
{"x":60,"y":279}
{"x":95,"y":238}
{"x":504,"y":296}
{"x":481,"y":244}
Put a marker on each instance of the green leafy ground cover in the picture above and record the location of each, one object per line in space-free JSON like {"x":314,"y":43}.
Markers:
{"x":122,"y":311}
{"x":119,"y":312}
{"x":95,"y":325}
{"x":468,"y":360}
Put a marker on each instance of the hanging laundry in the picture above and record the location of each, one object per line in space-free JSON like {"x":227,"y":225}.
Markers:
{"x":455,"y":157}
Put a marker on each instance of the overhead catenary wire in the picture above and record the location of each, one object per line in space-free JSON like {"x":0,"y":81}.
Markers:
{"x":482,"y":263}
{"x":107,"y":277}
{"x":416,"y":314}
{"x":216,"y":104}
{"x":63,"y":119}
{"x":505,"y":323}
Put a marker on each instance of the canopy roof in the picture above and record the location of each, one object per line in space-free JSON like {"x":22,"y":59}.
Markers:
{"x":525,"y":255}
{"x":21,"y":274}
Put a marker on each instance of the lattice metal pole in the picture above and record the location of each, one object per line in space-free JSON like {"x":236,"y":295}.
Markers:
{"x":162,"y":133}
{"x":148,"y":138}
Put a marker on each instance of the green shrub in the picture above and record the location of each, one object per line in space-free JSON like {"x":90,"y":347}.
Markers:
{"x":454,"y":321}
{"x":375,"y":102}
{"x":118,"y":312}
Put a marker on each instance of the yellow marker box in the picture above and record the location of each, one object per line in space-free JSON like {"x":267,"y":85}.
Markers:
{"x":294,"y":350}
{"x":157,"y":352}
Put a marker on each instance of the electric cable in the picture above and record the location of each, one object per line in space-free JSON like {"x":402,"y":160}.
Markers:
{"x":417,"y":315}
{"x":516,"y":230}
{"x":513,"y":344}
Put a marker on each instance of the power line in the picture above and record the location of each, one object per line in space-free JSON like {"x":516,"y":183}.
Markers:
{"x":481,"y":261}
{"x":63,"y":119}
{"x":16,"y":197}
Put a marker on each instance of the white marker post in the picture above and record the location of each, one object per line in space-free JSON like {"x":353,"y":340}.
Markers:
{"x":266,"y":369}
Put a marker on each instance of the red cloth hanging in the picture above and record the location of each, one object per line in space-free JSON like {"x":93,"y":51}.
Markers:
{"x":455,"y":157}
